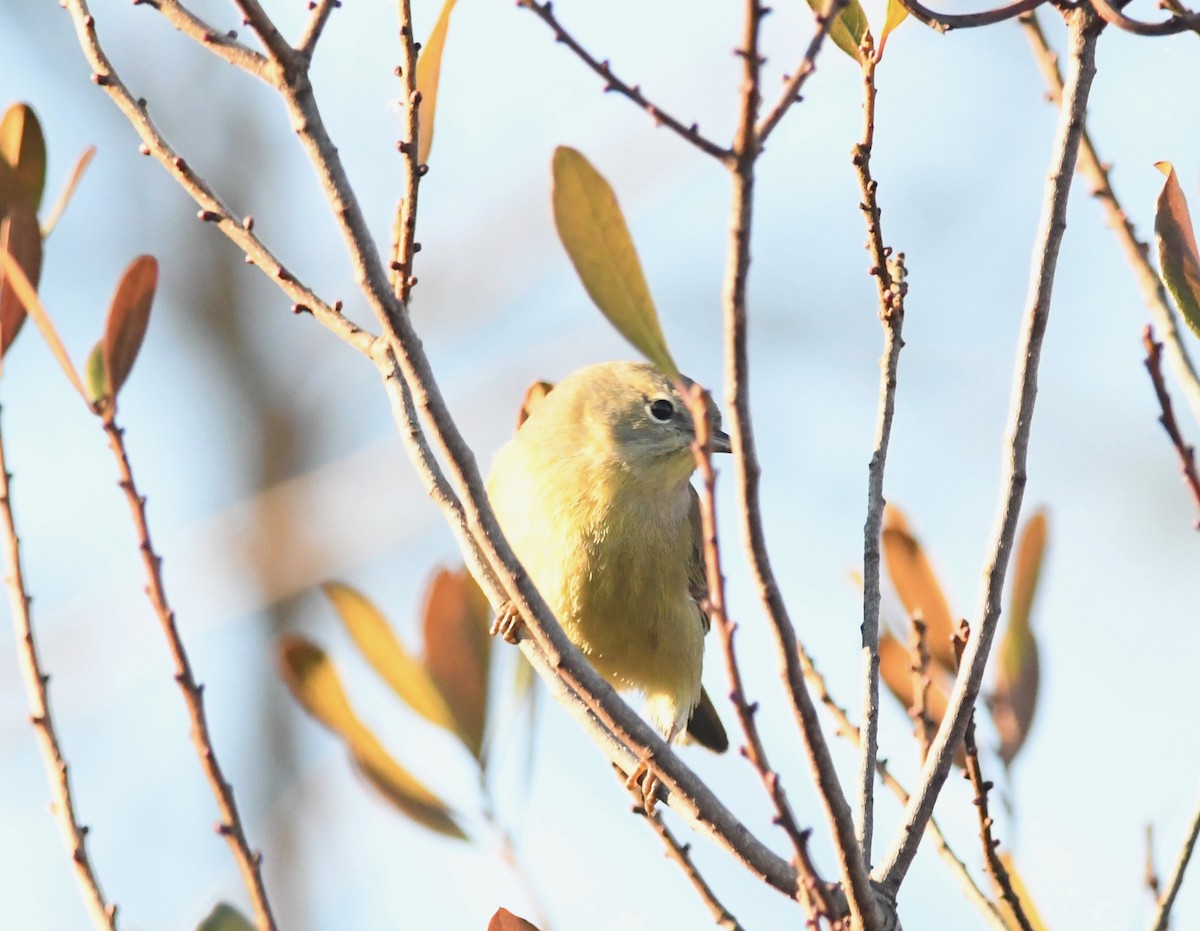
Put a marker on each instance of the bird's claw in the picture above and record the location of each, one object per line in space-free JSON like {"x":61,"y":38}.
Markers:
{"x":507,"y":624}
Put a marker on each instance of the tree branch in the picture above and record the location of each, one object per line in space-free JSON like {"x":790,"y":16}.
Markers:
{"x":1150,"y":283}
{"x":1176,"y":24}
{"x":74,"y":835}
{"x":224,"y":45}
{"x":1187,"y":454}
{"x":1176,"y":880}
{"x":1083,"y":31}
{"x":404,"y":231}
{"x":545,"y":12}
{"x":944,"y":22}
{"x":316,"y":25}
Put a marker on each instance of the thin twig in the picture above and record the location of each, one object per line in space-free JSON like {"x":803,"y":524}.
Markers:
{"x":508,"y":852}
{"x":224,"y":45}
{"x":254,"y":16}
{"x":1150,"y":874}
{"x":794,"y":83}
{"x":230,"y":827}
{"x":1137,"y":253}
{"x":103,"y":915}
{"x":545,"y":12}
{"x":849,"y":731}
{"x":747,"y":471}
{"x":944,"y":22}
{"x":1187,"y":453}
{"x":920,"y":672}
{"x":212,"y":209}
{"x":404,"y":230}
{"x":1083,"y":30}
{"x":681,"y":854}
{"x":974,"y":774}
{"x":1176,"y":24}
{"x":316,"y":25}
{"x":1185,"y":854}
{"x":890,"y":291}
{"x":812,"y":889}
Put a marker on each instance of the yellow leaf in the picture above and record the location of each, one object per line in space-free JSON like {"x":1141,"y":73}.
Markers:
{"x":314,"y":683}
{"x":897,"y":12}
{"x":918,"y":588}
{"x":429,"y":69}
{"x":1177,"y":252}
{"x":23,"y":149}
{"x":593,"y":231}
{"x":378,"y":643}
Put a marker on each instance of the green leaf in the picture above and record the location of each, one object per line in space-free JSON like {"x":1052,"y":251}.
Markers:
{"x":897,"y":13}
{"x":378,"y":643}
{"x":593,"y":231}
{"x":315,"y":685}
{"x":458,"y":650}
{"x":848,"y":29}
{"x":20,"y":238}
{"x":225,"y":918}
{"x":23,"y":148}
{"x":128,"y":317}
{"x":1177,"y":252}
{"x":1014,"y":699}
{"x":95,"y":375}
{"x":429,"y":70}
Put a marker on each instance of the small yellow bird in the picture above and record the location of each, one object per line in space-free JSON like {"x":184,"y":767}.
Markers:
{"x":594,"y":495}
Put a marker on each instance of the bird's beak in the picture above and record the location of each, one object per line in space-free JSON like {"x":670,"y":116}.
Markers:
{"x":719,"y":442}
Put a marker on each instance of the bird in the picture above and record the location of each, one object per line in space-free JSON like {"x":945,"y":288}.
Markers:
{"x":594,"y":495}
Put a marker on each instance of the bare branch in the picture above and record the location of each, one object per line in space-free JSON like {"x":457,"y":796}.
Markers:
{"x":231,"y":828}
{"x":851,"y":865}
{"x":890,"y":289}
{"x":102,"y":914}
{"x":404,"y":231}
{"x":944,"y":22}
{"x":1176,"y":24}
{"x":224,"y":45}
{"x":544,"y":12}
{"x":1150,"y":875}
{"x":1092,"y":167}
{"x":1082,"y":25}
{"x":1187,"y":454}
{"x":794,"y":82}
{"x":920,"y":673}
{"x":316,"y":25}
{"x":254,"y":16}
{"x":1176,"y":880}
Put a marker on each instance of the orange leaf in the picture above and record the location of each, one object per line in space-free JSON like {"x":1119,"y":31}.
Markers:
{"x":504,"y":920}
{"x":65,"y":197}
{"x":533,"y":397}
{"x":918,"y":587}
{"x":458,"y":650}
{"x":20,"y":238}
{"x":128,"y":316}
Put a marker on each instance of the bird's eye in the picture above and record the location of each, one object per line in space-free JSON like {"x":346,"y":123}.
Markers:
{"x":662,"y":410}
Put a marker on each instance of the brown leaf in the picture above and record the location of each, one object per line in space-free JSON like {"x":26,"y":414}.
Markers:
{"x":504,"y":920}
{"x":534,"y":395}
{"x":128,"y":316}
{"x":27,"y":295}
{"x":20,"y":238}
{"x":918,"y":588}
{"x":458,"y":650}
{"x":1178,"y":255}
{"x":68,"y":191}
{"x":23,"y":149}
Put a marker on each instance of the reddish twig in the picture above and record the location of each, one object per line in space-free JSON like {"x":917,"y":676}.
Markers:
{"x":103,"y":915}
{"x":944,"y":22}
{"x":1187,"y":453}
{"x":812,"y":889}
{"x":1176,"y":24}
{"x":974,"y":773}
{"x":230,"y":827}
{"x":545,"y":12}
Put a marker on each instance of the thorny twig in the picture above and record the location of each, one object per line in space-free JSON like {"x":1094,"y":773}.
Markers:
{"x":812,"y":891}
{"x":851,"y":865}
{"x":1096,"y":171}
{"x":974,"y":774}
{"x":545,"y":12}
{"x":1185,"y":854}
{"x":890,"y":291}
{"x":1083,"y":31}
{"x":230,"y":827}
{"x":103,"y":915}
{"x":1187,"y":453}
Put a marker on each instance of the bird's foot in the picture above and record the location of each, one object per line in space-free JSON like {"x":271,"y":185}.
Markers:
{"x":507,"y":623}
{"x":644,"y":780}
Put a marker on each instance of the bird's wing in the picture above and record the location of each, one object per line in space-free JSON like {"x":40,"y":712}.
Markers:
{"x":697,"y":573}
